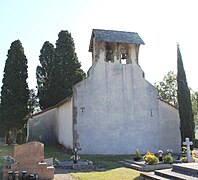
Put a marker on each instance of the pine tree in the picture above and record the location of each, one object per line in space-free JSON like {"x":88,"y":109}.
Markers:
{"x":43,"y":75}
{"x":184,"y":101}
{"x":14,"y":91}
{"x":66,"y":58}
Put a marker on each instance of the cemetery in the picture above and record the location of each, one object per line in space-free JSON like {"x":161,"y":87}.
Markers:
{"x":28,"y":162}
{"x":111,"y":113}
{"x":107,"y":150}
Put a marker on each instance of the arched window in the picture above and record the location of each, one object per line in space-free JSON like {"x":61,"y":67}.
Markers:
{"x":109,"y":53}
{"x":123,"y":55}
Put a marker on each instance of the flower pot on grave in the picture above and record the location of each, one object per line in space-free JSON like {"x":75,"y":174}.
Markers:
{"x":137,"y":159}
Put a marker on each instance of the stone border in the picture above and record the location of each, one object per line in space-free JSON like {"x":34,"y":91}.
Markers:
{"x":141,"y":166}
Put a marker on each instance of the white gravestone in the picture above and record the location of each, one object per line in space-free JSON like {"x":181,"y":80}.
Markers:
{"x":188,"y":143}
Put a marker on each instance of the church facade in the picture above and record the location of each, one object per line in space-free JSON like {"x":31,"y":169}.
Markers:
{"x":114,"y":110}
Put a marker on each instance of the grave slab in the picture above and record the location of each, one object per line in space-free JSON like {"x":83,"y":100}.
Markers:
{"x":183,"y":171}
{"x":141,"y":166}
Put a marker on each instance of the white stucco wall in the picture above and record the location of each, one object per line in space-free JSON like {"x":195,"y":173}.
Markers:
{"x":117,"y":104}
{"x":53,"y":125}
{"x":169,"y":123}
{"x":65,"y":124}
{"x":43,"y":127}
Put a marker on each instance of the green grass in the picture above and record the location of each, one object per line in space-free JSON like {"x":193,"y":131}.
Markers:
{"x":107,"y":161}
{"x":4,"y":151}
{"x":53,"y":151}
{"x":114,"y":174}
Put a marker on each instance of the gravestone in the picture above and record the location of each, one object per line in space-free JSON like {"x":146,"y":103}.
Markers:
{"x":30,"y":152}
{"x":188,"y":143}
{"x":30,"y":157}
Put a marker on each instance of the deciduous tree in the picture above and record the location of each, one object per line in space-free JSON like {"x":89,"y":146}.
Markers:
{"x":167,"y":89}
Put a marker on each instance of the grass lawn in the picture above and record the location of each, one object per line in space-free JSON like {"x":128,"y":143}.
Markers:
{"x":114,"y":174}
{"x":113,"y":169}
{"x":4,"y":151}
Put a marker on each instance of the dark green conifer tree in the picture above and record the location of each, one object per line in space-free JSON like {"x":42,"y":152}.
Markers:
{"x":184,"y":101}
{"x":43,"y":75}
{"x":70,"y":68}
{"x":14,"y":91}
{"x":59,"y":71}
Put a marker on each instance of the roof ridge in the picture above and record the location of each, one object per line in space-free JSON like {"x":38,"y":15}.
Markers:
{"x":114,"y":30}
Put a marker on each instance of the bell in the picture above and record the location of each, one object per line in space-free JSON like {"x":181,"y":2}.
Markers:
{"x":123,"y":55}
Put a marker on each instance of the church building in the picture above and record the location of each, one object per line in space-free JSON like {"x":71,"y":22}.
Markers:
{"x":114,"y":110}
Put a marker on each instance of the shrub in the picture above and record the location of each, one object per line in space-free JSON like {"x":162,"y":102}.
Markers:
{"x":168,"y":159}
{"x":20,"y":137}
{"x":184,"y":160}
{"x":150,"y":158}
{"x":9,"y":138}
{"x":184,"y":151}
{"x":196,"y":143}
{"x":137,"y":155}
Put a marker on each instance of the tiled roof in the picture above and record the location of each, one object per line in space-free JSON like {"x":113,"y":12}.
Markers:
{"x":115,"y":36}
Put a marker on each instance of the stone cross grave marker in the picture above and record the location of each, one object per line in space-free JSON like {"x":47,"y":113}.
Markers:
{"x":188,"y":143}
{"x":76,"y":157}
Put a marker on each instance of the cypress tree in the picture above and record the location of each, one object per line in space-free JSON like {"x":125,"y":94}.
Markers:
{"x":14,"y":91}
{"x":66,"y":58}
{"x":184,"y":101}
{"x":43,"y":75}
{"x":59,"y":70}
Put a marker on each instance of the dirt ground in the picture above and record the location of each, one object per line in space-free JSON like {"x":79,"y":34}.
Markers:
{"x":62,"y":174}
{"x":63,"y":177}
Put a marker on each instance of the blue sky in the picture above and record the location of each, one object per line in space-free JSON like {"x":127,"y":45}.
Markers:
{"x":160,"y":23}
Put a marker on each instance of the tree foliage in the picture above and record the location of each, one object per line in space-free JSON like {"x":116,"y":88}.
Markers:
{"x":33,"y":104}
{"x":59,"y":71}
{"x":70,"y":67}
{"x":184,"y":101}
{"x":14,"y":91}
{"x":167,"y":89}
{"x":194,"y":101}
{"x":44,"y":73}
